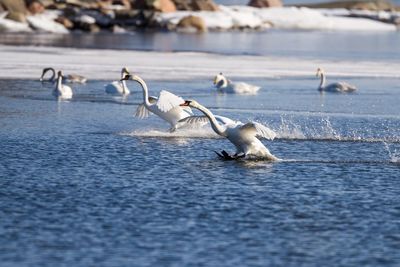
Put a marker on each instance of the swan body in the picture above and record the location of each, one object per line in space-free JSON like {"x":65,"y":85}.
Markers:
{"x":118,"y":87}
{"x":338,"y":87}
{"x":244,"y":136}
{"x":166,"y":105}
{"x":224,"y":85}
{"x":61,"y":90}
{"x":71,"y":78}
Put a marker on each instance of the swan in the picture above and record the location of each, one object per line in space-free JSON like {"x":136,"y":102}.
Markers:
{"x":224,"y":85}
{"x":339,"y":87}
{"x":242,"y":135}
{"x":166,"y":105}
{"x":61,"y":90}
{"x":118,"y":87}
{"x":71,"y":78}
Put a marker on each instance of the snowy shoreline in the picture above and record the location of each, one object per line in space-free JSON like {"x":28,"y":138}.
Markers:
{"x":238,"y":18}
{"x":26,"y":62}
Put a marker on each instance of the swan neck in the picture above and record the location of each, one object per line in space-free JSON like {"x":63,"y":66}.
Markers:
{"x":214,"y":124}
{"x":59,"y":83}
{"x":322,"y":84}
{"x":145,"y":92}
{"x":124,"y":87}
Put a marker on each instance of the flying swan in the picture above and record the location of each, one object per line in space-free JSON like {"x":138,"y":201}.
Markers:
{"x":339,"y":87}
{"x":71,"y":78}
{"x":224,"y":85}
{"x":61,"y":90}
{"x":118,"y":87}
{"x":166,"y":105}
{"x":242,"y":135}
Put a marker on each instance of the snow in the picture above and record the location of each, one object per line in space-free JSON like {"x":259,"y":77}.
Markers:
{"x":27,"y":63}
{"x":281,"y":18}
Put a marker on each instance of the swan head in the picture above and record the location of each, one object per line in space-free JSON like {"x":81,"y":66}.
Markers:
{"x":190,"y":103}
{"x":220,"y":80}
{"x":124,"y":72}
{"x":130,"y":77}
{"x":320,"y":71}
{"x":44,"y":71}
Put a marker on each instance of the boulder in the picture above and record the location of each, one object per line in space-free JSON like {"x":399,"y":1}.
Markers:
{"x":204,"y":5}
{"x":16,"y":16}
{"x":265,"y":3}
{"x":190,"y":23}
{"x":182,"y":5}
{"x":35,"y":7}
{"x":14,"y":6}
{"x":161,"y":5}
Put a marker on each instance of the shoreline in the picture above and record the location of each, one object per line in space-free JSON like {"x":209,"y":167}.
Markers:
{"x":105,"y":64}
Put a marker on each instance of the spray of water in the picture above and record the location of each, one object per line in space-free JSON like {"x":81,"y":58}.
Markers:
{"x":394,"y":154}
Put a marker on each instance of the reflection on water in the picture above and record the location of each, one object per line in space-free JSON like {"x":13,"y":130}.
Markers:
{"x":308,"y":44}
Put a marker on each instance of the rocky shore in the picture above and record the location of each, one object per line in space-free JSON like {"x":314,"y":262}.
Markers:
{"x":63,"y":16}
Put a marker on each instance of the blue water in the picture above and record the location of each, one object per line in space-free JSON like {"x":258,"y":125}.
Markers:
{"x":371,"y":46}
{"x":84,"y":183}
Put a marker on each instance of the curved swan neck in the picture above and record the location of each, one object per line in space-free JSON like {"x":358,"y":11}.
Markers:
{"x":124,"y":87}
{"x":145,"y":91}
{"x":59,"y":83}
{"x":214,"y":124}
{"x":322,"y":84}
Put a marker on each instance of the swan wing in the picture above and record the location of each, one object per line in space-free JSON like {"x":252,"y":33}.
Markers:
{"x":168,"y":101}
{"x":195,"y":120}
{"x":225,"y":120}
{"x":258,"y":129}
{"x":141,"y":111}
{"x":245,"y":88}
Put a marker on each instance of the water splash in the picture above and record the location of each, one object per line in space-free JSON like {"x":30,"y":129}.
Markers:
{"x":394,"y":154}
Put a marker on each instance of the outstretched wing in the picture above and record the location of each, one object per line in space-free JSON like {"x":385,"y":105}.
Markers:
{"x":195,"y":120}
{"x":259,"y":130}
{"x":168,"y":101}
{"x":141,"y":111}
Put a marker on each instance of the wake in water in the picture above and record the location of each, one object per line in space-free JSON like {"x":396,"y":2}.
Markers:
{"x":394,"y":154}
{"x":205,"y":132}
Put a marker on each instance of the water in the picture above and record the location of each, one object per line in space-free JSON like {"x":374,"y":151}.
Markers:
{"x":376,"y":46}
{"x":84,"y":183}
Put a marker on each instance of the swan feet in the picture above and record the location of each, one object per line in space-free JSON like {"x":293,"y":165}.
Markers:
{"x":224,"y":155}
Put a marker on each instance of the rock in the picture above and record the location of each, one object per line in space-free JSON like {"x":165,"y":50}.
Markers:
{"x":35,"y":7}
{"x":189,"y":23}
{"x":14,"y":6}
{"x":182,"y":5}
{"x":205,"y":5}
{"x":65,"y":21}
{"x":164,"y":6}
{"x":16,"y":16}
{"x":265,"y":3}
{"x":374,"y":5}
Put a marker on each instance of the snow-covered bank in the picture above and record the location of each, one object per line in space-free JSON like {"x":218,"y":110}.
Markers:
{"x":27,"y":62}
{"x":237,"y":17}
{"x":231,"y":17}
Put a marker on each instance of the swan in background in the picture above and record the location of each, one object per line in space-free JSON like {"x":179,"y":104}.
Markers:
{"x":224,"y":85}
{"x":339,"y":87}
{"x":242,"y":135}
{"x":118,"y":87}
{"x":61,"y":90}
{"x":72,"y":78}
{"x":166,"y":105}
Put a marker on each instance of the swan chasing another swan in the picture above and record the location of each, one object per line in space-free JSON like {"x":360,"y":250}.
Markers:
{"x":118,"y":87}
{"x":72,"y":78}
{"x":166,"y":105}
{"x":224,"y":85}
{"x":242,"y":135}
{"x":61,"y":90}
{"x":339,"y":87}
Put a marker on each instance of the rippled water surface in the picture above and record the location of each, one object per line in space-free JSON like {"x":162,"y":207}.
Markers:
{"x":84,"y":183}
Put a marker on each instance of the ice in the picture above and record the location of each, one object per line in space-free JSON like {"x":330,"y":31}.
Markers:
{"x":27,"y":63}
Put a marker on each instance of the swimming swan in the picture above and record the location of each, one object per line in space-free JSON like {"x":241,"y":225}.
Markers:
{"x":118,"y":87}
{"x":224,"y":85}
{"x":166,"y":105}
{"x":339,"y":87}
{"x":242,"y":135}
{"x":71,"y":78}
{"x":61,"y":90}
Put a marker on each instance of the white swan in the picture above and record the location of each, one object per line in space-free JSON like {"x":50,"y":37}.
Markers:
{"x":61,"y":90}
{"x":118,"y":87}
{"x":72,"y":78}
{"x":166,"y":106}
{"x":339,"y":87}
{"x":242,"y":135}
{"x":224,"y":85}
